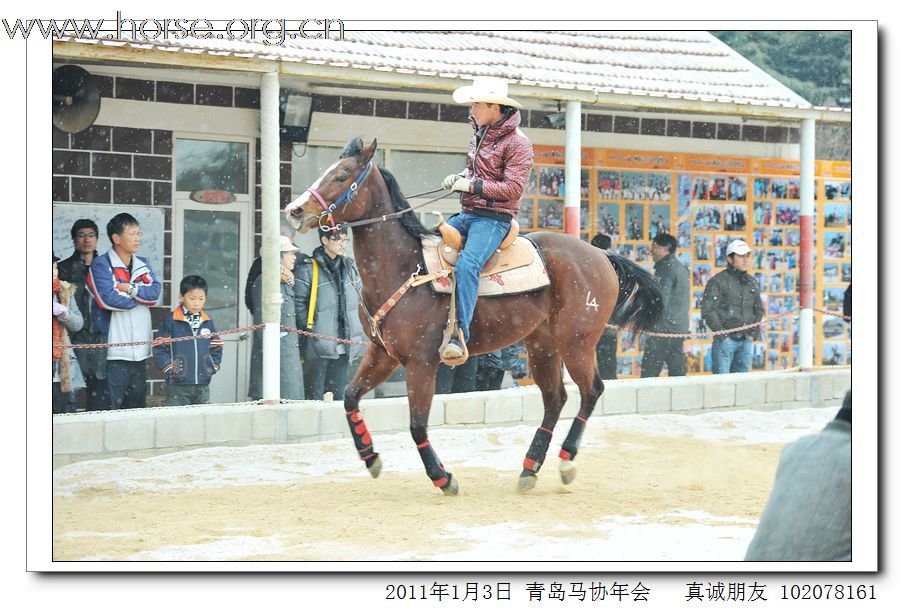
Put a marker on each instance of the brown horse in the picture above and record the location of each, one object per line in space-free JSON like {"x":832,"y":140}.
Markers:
{"x":561,"y":322}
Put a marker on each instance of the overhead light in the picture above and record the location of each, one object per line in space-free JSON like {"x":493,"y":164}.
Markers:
{"x":295,"y":110}
{"x":555,"y":121}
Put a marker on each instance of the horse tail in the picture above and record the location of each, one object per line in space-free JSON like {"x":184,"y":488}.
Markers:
{"x":639,"y":306}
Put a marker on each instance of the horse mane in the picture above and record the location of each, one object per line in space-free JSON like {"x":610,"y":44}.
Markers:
{"x":409,"y":220}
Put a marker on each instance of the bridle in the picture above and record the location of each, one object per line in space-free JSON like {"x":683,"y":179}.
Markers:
{"x":350,"y":194}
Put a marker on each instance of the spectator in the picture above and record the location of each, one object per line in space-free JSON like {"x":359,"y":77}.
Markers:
{"x":846,"y":308}
{"x":674,"y":279}
{"x":189,"y":366}
{"x":808,"y":514}
{"x":74,"y":270}
{"x":327,"y":287}
{"x":291,"y":377}
{"x":607,"y":346}
{"x":491,"y":368}
{"x":67,"y":376}
{"x":498,"y":166}
{"x":460,"y":379}
{"x":731,"y":299}
{"x":124,"y":288}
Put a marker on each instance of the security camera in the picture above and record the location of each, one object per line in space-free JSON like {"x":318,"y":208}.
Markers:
{"x":555,"y":121}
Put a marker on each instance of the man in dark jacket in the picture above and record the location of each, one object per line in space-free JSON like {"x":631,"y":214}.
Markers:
{"x":332,"y":312}
{"x":74,"y":269}
{"x":674,"y":279}
{"x":731,"y":300}
{"x":499,"y":162}
{"x":607,"y":345}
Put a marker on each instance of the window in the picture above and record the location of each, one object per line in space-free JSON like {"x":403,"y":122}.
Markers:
{"x":211,"y":164}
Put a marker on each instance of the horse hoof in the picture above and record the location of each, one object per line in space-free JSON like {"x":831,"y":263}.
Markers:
{"x":526,"y":483}
{"x":451,"y":488}
{"x":567,"y":471}
{"x":376,"y":467}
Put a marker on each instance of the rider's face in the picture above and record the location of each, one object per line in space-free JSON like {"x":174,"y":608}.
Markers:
{"x":485,"y":114}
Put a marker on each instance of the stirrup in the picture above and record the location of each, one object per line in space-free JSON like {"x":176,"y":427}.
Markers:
{"x":453,"y":350}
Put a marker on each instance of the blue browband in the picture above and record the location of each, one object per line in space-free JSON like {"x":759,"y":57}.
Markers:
{"x":348,"y":196}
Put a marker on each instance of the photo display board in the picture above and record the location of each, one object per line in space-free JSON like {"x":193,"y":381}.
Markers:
{"x":707,"y":201}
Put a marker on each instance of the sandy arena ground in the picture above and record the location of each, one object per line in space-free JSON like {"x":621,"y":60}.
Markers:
{"x":648,"y":488}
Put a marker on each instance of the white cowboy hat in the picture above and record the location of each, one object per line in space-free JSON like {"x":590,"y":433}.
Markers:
{"x":485,"y":89}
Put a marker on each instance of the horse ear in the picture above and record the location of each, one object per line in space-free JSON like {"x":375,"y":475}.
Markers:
{"x":368,"y":152}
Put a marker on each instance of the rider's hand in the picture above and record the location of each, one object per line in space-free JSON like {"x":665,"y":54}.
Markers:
{"x":461,"y":184}
{"x":450,"y":180}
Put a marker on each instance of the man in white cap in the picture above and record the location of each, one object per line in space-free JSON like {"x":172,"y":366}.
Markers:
{"x":731,"y":300}
{"x":499,"y":162}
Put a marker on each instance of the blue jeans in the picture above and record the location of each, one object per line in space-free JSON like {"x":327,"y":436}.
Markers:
{"x":483,"y":238}
{"x":732,"y":355}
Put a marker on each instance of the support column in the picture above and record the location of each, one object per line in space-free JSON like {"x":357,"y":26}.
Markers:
{"x":573,"y":168}
{"x":807,"y":209}
{"x":270,"y":210}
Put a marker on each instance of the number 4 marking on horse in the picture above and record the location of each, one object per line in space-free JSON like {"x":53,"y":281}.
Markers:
{"x":591,"y":301}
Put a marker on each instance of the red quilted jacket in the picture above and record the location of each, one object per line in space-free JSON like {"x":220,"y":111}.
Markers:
{"x":499,"y":166}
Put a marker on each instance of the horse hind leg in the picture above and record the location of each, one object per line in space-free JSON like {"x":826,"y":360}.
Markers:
{"x":376,"y":366}
{"x":546,"y":368}
{"x":582,"y":367}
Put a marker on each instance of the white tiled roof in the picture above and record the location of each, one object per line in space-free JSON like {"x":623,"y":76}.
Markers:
{"x":685,"y":65}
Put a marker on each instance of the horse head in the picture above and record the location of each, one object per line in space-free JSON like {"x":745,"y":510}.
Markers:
{"x":334,"y":197}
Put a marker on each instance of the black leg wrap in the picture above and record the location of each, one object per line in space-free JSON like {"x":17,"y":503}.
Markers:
{"x":573,"y":439}
{"x":435,"y":470}
{"x":361,"y":436}
{"x":537,"y":451}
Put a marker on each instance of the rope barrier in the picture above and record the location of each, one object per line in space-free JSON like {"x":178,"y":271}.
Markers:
{"x":302,"y":332}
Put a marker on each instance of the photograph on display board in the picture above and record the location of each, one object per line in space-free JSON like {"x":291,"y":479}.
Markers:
{"x":660,"y":186}
{"x":759,"y":259}
{"x":761,"y":187}
{"x":772,"y":357}
{"x":837,"y":215}
{"x":830,"y":273}
{"x":759,"y":356}
{"x":775,"y":282}
{"x":684,"y":196}
{"x":737,"y":188}
{"x":846,"y":273}
{"x":697,"y":300}
{"x":776,"y":237}
{"x":760,"y":278}
{"x":683,"y":236}
{"x":834,"y":353}
{"x":530,"y":187}
{"x":772,"y":340}
{"x":787,"y":213}
{"x":791,"y":282}
{"x":762,"y":213}
{"x":832,"y":190}
{"x":845,"y":191}
{"x":735,"y":216}
{"x":700,"y":187}
{"x":780,"y":189}
{"x":707,"y":358}
{"x":694,"y":355}
{"x":552,"y":182}
{"x":626,"y":250}
{"x":585,"y":183}
{"x":659,"y":220}
{"x":526,"y":214}
{"x":707,"y":217}
{"x":608,"y":220}
{"x":759,"y":237}
{"x":624,"y":366}
{"x":698,"y":325}
{"x":550,"y":214}
{"x":833,"y":327}
{"x":634,"y":186}
{"x":701,"y":274}
{"x":837,"y":245}
{"x":585,"y":214}
{"x":792,"y":237}
{"x":717,"y":188}
{"x":608,"y":185}
{"x":626,"y":341}
{"x":685,"y":258}
{"x":634,"y":222}
{"x":720,"y":248}
{"x":794,"y":189}
{"x":642,"y":253}
{"x":833,"y":298}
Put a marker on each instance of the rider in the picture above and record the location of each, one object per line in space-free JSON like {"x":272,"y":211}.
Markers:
{"x":499,"y":163}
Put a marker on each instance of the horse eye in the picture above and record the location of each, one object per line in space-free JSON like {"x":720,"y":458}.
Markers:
{"x":341,"y":178}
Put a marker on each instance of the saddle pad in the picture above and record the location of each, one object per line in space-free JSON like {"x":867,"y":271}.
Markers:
{"x":524,"y":273}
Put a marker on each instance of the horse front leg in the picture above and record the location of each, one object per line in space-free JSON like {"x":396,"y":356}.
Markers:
{"x":421,"y":381}
{"x":376,"y":366}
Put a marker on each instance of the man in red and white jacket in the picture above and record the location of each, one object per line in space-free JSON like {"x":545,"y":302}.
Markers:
{"x":499,"y":162}
{"x":124,"y":287}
